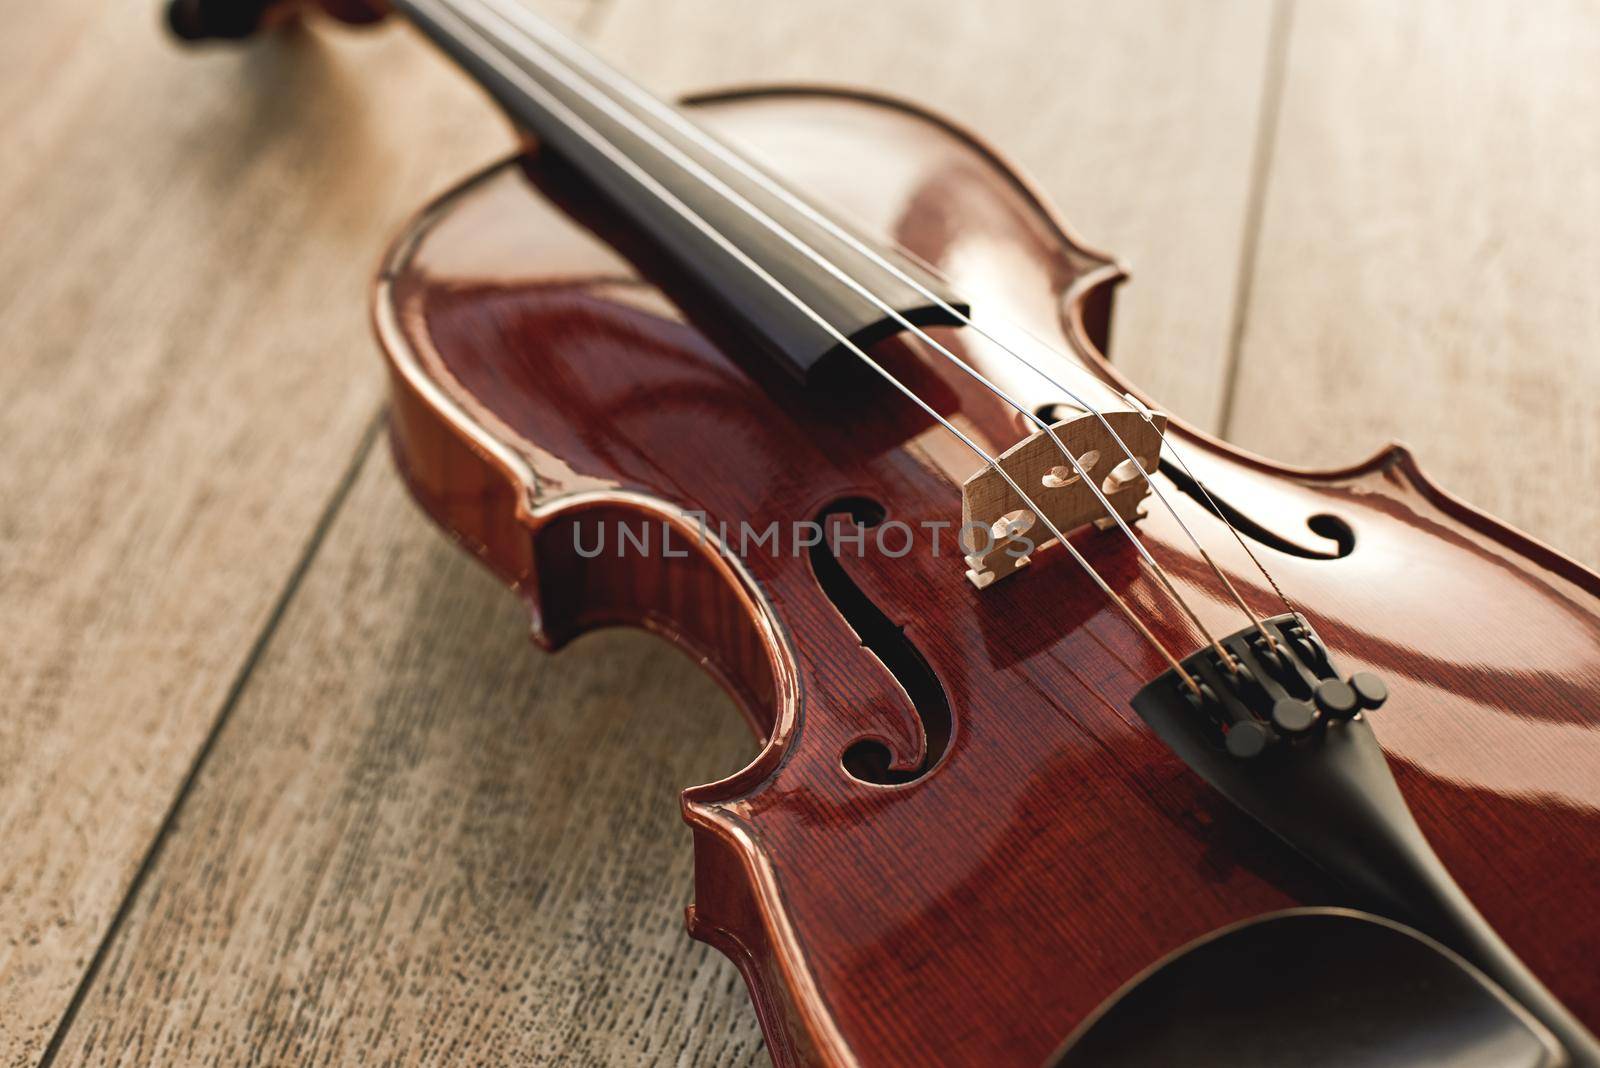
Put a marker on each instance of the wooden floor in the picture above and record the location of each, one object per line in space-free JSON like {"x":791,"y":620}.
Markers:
{"x":281,"y":780}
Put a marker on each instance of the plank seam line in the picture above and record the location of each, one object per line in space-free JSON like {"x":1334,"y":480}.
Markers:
{"x":1255,"y":205}
{"x":230,"y":701}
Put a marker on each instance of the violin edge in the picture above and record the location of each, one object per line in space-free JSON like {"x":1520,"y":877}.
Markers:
{"x":487,"y":500}
{"x":799,"y":1027}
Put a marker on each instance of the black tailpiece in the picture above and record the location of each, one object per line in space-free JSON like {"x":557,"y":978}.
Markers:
{"x":1283,"y":738}
{"x":1284,"y":690}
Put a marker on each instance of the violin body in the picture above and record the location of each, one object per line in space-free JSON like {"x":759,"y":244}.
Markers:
{"x":958,"y":838}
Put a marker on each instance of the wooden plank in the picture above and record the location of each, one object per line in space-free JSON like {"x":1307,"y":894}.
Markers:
{"x":418,"y":840}
{"x":1429,"y":255}
{"x":187,"y":372}
{"x":1138,"y":119}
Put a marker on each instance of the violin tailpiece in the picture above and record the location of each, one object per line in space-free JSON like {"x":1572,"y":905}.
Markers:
{"x":1000,"y":530}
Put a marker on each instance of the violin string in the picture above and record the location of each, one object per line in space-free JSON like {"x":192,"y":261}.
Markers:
{"x":605,"y":76}
{"x":692,"y":167}
{"x":441,"y":14}
{"x":1211,"y":503}
{"x":559,"y":68}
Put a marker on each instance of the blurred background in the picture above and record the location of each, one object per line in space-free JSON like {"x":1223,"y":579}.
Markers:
{"x":281,"y":779}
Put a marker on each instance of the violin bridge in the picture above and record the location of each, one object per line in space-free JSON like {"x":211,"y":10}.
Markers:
{"x":1000,"y":531}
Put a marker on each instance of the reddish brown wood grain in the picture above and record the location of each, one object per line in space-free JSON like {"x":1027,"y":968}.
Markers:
{"x":545,"y":380}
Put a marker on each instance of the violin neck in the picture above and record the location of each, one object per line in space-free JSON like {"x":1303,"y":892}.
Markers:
{"x":788,"y":273}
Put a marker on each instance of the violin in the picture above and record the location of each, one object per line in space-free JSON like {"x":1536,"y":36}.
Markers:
{"x":1086,"y":738}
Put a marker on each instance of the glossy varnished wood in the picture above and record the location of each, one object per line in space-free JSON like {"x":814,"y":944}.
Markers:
{"x":976,"y":914}
{"x":142,"y":177}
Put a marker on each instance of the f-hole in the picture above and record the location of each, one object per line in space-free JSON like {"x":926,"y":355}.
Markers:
{"x":1324,"y":524}
{"x":867,"y":759}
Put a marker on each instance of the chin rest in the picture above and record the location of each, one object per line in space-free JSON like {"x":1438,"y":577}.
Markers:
{"x":1311,"y":988}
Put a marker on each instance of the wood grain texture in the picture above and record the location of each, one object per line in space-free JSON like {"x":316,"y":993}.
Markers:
{"x":135,"y":1011}
{"x":421,"y":841}
{"x":1429,"y":248}
{"x":889,"y":921}
{"x":187,"y":370}
{"x":191,"y":176}
{"x":1144,"y":138}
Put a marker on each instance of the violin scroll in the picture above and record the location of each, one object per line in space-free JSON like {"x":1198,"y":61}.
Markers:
{"x":232,"y":20}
